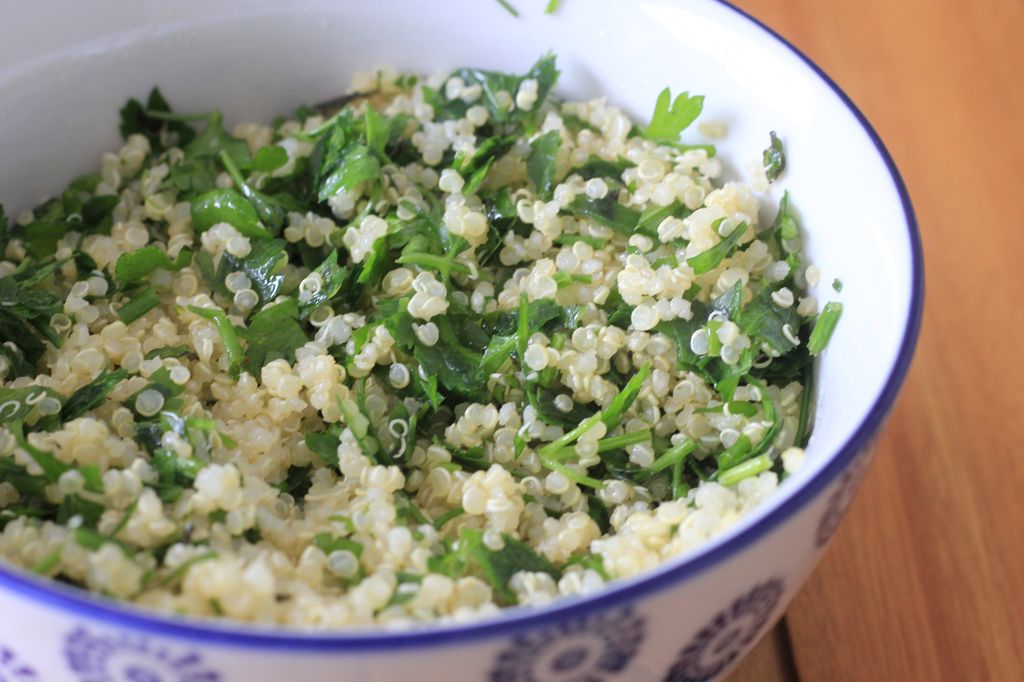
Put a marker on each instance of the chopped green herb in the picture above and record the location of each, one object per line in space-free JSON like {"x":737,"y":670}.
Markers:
{"x":137,"y":266}
{"x":671,"y":118}
{"x":823,"y":328}
{"x":774,"y":158}
{"x":712,"y":258}
{"x":752,"y":467}
{"x":508,"y":7}
{"x":138,"y":305}
{"x":228,"y":334}
{"x":273,"y":333}
{"x":540,"y":166}
{"x":92,"y":395}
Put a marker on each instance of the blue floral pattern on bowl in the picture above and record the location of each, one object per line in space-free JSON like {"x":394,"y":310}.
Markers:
{"x":728,"y":635}
{"x":13,"y":670}
{"x":126,"y":658}
{"x":841,"y":499}
{"x":586,"y":649}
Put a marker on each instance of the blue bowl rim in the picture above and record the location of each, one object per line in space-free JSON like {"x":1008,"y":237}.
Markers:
{"x":83,"y":604}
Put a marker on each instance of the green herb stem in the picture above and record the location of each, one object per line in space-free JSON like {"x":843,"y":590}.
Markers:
{"x":672,"y":456}
{"x":619,"y":442}
{"x":752,"y":467}
{"x":228,"y":335}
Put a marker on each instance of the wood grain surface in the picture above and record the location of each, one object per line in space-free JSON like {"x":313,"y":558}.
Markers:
{"x":925,"y":579}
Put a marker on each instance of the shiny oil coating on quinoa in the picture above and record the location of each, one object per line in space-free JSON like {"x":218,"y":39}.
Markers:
{"x":458,"y":346}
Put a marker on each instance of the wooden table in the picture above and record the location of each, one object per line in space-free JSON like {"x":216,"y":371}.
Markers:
{"x":925,"y":579}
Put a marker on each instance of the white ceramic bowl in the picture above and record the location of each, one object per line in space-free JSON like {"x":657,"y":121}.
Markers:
{"x":66,"y":67}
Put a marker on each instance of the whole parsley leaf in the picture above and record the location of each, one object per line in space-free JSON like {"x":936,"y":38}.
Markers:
{"x":670,"y":117}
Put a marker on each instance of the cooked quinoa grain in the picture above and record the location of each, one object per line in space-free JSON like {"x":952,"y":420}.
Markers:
{"x":456,"y":346}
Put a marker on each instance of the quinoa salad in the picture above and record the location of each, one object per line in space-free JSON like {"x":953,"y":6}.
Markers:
{"x":439,"y":347}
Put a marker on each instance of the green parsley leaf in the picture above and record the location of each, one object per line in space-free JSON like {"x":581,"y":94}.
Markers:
{"x":227,"y":206}
{"x":268,"y":159}
{"x":540,"y":166}
{"x":333,"y":277}
{"x":774,"y":158}
{"x":143,"y":120}
{"x":137,"y":266}
{"x":356,"y":165}
{"x":498,"y":567}
{"x":764,"y":320}
{"x":138,"y":305}
{"x":273,"y":333}
{"x":671,"y":118}
{"x":710,"y":259}
{"x":25,"y":314}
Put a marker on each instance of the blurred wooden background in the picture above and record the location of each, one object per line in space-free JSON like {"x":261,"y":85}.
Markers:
{"x":925,"y":579}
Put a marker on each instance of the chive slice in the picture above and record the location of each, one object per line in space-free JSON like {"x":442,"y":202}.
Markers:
{"x":139,"y":305}
{"x":824,"y":327}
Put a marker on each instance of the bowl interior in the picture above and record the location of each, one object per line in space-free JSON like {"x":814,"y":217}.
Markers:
{"x":63,"y":83}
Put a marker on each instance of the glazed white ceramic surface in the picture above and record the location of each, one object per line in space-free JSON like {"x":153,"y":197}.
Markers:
{"x":65,"y":69}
